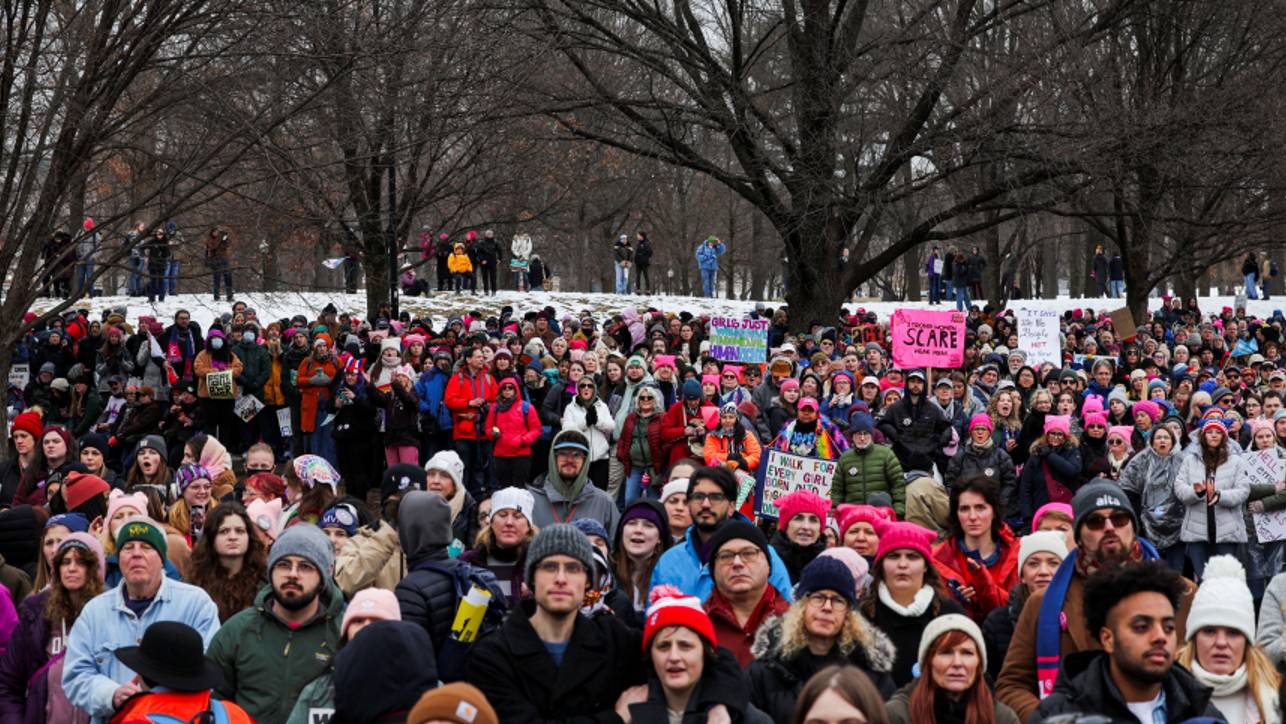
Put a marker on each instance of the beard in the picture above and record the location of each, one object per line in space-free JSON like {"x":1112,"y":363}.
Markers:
{"x":292,"y":601}
{"x":1137,"y":670}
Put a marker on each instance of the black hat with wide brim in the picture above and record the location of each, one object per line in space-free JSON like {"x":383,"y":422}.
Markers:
{"x":172,"y":655}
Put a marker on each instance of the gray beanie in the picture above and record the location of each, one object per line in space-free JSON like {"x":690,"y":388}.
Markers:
{"x":1100,"y":493}
{"x":559,"y":540}
{"x":308,"y":542}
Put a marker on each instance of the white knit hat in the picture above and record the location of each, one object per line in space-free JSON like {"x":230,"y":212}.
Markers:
{"x":1045,"y":541}
{"x":512,"y":498}
{"x":1223,"y":599}
{"x":950,"y":622}
{"x":678,"y":485}
{"x":449,"y":462}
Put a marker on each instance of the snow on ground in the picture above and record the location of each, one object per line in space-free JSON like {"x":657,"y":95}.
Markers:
{"x":271,"y":306}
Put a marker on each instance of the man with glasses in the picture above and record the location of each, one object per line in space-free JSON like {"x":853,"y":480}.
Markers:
{"x":1105,"y":529}
{"x":270,"y":651}
{"x":742,"y":598}
{"x":564,"y":493}
{"x":549,"y":661}
{"x":712,"y":499}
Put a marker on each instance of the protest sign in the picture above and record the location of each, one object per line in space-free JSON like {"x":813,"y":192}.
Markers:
{"x":1123,"y":324}
{"x":1038,"y":336}
{"x":739,"y":340}
{"x":20,"y":375}
{"x":927,"y":339}
{"x":782,"y":473}
{"x":219,"y":385}
{"x":1270,"y":526}
{"x":1263,"y":467}
{"x":246,"y":407}
{"x":334,"y":263}
{"x":283,"y":421}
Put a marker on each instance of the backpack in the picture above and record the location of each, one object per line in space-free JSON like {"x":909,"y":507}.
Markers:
{"x":464,"y":576}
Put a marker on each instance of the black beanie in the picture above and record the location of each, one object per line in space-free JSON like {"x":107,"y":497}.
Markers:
{"x":734,"y":529}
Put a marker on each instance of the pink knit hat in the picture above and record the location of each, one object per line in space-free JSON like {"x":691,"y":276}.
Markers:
{"x":375,"y":603}
{"x":710,"y":380}
{"x":118,"y":499}
{"x":856,"y":564}
{"x":1058,"y":423}
{"x":1124,"y":432}
{"x":801,"y":501}
{"x":848,"y":514}
{"x":1063,"y":508}
{"x":1149,"y":407}
{"x":982,"y":419}
{"x":789,"y":384}
{"x":905,"y":535}
{"x":1093,"y":403}
{"x":1096,"y":418}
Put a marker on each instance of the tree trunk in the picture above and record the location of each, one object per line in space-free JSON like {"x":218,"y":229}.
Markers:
{"x":814,"y":292}
{"x":911,"y":267}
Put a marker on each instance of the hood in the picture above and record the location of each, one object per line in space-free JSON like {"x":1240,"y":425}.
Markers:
{"x":423,"y":523}
{"x":873,"y":644}
{"x":555,"y":481}
{"x":384,"y":670}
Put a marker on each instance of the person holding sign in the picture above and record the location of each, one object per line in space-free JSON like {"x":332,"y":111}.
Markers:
{"x":1264,"y":467}
{"x":1214,"y":491}
{"x":216,"y":369}
{"x":810,"y":436}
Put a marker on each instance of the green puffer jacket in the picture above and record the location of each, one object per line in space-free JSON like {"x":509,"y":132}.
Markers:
{"x":858,"y":473}
{"x":256,"y":365}
{"x":266,"y":664}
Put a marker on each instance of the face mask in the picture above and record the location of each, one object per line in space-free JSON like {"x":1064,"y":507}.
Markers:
{"x":216,"y":343}
{"x":248,"y":337}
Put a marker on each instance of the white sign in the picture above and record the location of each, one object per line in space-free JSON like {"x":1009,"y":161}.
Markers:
{"x":1038,"y":336}
{"x":20,"y":375}
{"x":283,"y":421}
{"x":246,"y":407}
{"x":1263,"y":467}
{"x":1270,"y":526}
{"x":784,"y":473}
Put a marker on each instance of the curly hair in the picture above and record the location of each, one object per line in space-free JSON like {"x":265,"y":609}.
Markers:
{"x":236,"y":592}
{"x":63,"y":605}
{"x":794,"y":635}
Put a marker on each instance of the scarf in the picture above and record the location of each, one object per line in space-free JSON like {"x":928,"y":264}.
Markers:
{"x":503,"y":404}
{"x":1223,"y":684}
{"x":1050,"y":623}
{"x":923,"y":598}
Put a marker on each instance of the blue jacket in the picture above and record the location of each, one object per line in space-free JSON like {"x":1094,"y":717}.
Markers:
{"x":91,"y":673}
{"x":682,"y":568}
{"x":431,"y":389}
{"x":708,"y":256}
{"x":114,"y":575}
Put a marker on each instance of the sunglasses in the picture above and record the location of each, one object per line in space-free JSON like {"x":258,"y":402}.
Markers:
{"x":1119,"y":519}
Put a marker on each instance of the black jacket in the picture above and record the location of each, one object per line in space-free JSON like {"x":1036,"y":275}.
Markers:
{"x":993,"y":463}
{"x":794,"y":555}
{"x":427,"y":597}
{"x":1085,"y":686}
{"x":775,"y":678}
{"x":488,"y":251}
{"x":721,"y":683}
{"x":514,"y":670}
{"x":998,"y":629}
{"x":643,"y":253}
{"x":905,"y":632}
{"x":918,"y":432}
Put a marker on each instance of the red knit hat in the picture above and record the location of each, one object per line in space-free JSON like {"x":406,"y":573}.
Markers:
{"x":80,"y":487}
{"x":29,"y":422}
{"x":671,"y":607}
{"x":905,"y":535}
{"x":801,"y":501}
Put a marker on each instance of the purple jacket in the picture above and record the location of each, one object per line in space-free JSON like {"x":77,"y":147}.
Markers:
{"x":23,"y":656}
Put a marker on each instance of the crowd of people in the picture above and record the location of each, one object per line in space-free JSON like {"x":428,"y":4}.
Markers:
{"x":542,"y":517}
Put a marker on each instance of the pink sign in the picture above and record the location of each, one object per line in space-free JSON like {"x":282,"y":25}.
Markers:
{"x":927,"y":339}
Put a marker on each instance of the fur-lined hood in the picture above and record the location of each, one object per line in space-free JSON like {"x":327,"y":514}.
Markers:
{"x":877,"y":647}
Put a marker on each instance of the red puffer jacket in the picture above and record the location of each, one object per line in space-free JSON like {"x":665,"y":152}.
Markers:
{"x":462,"y":388}
{"x":991,"y":585}
{"x":515,"y":430}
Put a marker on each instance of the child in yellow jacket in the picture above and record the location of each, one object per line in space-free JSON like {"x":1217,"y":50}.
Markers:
{"x":460,"y":266}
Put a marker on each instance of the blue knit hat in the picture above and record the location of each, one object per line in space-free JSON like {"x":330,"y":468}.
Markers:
{"x":590,"y":526}
{"x":827,"y":574}
{"x":691,"y":390}
{"x":861,"y":422}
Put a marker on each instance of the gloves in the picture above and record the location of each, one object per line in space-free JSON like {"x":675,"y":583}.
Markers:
{"x":320,"y":378}
{"x":591,"y":415}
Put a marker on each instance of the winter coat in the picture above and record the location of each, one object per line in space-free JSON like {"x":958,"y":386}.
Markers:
{"x":401,"y":413}
{"x":91,"y":409}
{"x":459,"y":263}
{"x":1148,"y":480}
{"x":266,"y":664}
{"x":1234,"y":489}
{"x":565,"y":501}
{"x":653,"y":441}
{"x":899,"y":708}
{"x":739,"y":446}
{"x":721,"y":683}
{"x":681,"y":567}
{"x":918,"y":433}
{"x":255,"y":366}
{"x":516,"y":673}
{"x":519,"y":428}
{"x":487,"y":251}
{"x":354,"y":422}
{"x":314,"y":393}
{"x":708,"y":256}
{"x":991,"y":462}
{"x":1116,"y":269}
{"x":521,"y":247}
{"x":793,"y":554}
{"x":998,"y":628}
{"x":597,"y":430}
{"x":776,"y":676}
{"x":643,"y":252}
{"x":204,"y":365}
{"x":461,"y":388}
{"x":370,"y":559}
{"x":990,"y":584}
{"x":904,"y":631}
{"x":1064,"y":464}
{"x":431,"y":389}
{"x":25,"y":653}
{"x":1085,"y":686}
{"x":861,"y":472}
{"x":1269,"y":634}
{"x":673,"y":439}
{"x":622,"y":253}
{"x":478,"y":556}
{"x":427,"y":597}
{"x":1016,"y":685}
{"x":735,"y":636}
{"x":1100,"y":267}
{"x":90,"y":673}
{"x":537,"y":272}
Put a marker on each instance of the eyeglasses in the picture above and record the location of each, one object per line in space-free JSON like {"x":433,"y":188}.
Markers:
{"x":747,"y":556}
{"x":714,"y":498}
{"x":285,"y":566}
{"x":820,"y":600}
{"x":646,"y":397}
{"x":1096,"y":427}
{"x":571,"y":568}
{"x":730,"y":377}
{"x":1119,"y":519}
{"x":1116,"y":443}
